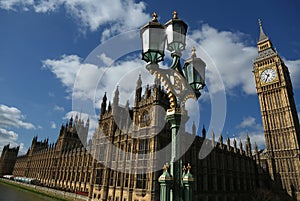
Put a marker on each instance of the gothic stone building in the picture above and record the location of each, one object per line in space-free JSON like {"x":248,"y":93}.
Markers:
{"x":65,"y":164}
{"x":122,"y":172}
{"x":8,"y":160}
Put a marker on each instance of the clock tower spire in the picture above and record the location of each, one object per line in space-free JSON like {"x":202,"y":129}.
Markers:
{"x":262,"y":35}
{"x":279,"y":116}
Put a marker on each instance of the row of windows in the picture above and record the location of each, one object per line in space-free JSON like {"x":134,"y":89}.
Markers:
{"x":123,"y":178}
{"x":266,"y":62}
{"x":110,"y":198}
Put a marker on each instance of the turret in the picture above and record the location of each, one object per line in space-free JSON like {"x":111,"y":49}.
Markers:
{"x":103,"y":105}
{"x":221,"y":141}
{"x":34,"y":140}
{"x":234,"y":145}
{"x":241,"y":147}
{"x":116,"y":97}
{"x":109,"y":107}
{"x":248,"y":146}
{"x":228,"y":143}
{"x":138,"y":90}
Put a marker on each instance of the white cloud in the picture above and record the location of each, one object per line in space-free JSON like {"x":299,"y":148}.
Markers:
{"x":12,"y":117}
{"x":12,"y":4}
{"x":294,"y":68}
{"x":89,"y":82}
{"x":65,"y":69}
{"x":253,"y":129}
{"x":53,"y":125}
{"x":247,"y":122}
{"x":106,"y":60}
{"x":58,"y":108}
{"x":90,"y":14}
{"x":232,"y":57}
{"x":22,"y":149}
{"x":11,"y":135}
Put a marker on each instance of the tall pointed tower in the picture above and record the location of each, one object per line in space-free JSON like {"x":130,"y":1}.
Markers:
{"x":279,"y":116}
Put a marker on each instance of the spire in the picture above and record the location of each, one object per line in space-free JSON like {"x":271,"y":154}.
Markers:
{"x":228,"y":143}
{"x":248,"y":146}
{"x":116,"y":97}
{"x":241,"y":147}
{"x":138,"y":90}
{"x":262,"y":35}
{"x":248,"y":138}
{"x":221,"y":139}
{"x":109,"y":107}
{"x":103,"y":104}
{"x":139,"y":82}
{"x":234,"y":145}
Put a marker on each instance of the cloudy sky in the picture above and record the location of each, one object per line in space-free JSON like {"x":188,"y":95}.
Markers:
{"x":58,"y":57}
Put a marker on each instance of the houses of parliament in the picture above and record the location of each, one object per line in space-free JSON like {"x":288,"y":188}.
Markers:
{"x":233,"y":171}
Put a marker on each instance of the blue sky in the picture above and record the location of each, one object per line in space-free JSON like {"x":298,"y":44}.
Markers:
{"x":44,"y":44}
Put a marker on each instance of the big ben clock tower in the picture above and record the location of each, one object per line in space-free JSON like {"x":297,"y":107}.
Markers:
{"x":279,"y":116}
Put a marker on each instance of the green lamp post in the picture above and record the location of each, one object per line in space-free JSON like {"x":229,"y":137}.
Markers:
{"x":176,"y":185}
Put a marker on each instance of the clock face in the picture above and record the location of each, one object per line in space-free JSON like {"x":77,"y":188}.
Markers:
{"x":268,"y":75}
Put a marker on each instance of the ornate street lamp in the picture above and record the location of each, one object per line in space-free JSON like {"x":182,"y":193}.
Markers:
{"x":180,"y":86}
{"x":194,"y":70}
{"x":176,"y":31}
{"x":153,"y":38}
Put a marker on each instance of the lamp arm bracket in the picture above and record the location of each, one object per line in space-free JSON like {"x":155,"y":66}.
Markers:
{"x":174,"y":83}
{"x":176,"y":62}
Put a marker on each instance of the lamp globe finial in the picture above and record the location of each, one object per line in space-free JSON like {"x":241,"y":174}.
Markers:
{"x":154,"y":17}
{"x":175,"y":15}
